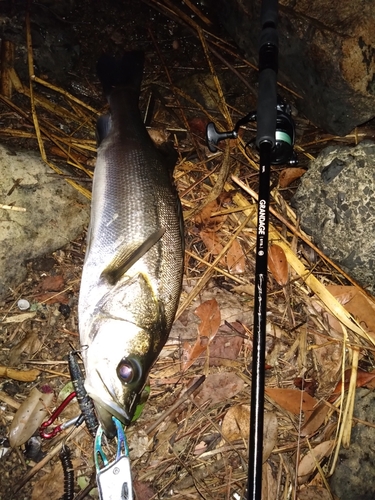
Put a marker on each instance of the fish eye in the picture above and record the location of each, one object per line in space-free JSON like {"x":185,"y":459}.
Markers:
{"x":129,"y":370}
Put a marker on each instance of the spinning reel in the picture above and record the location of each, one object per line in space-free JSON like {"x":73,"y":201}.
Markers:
{"x":284,"y":137}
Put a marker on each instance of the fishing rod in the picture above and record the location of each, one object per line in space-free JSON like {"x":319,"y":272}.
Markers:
{"x":274,"y":140}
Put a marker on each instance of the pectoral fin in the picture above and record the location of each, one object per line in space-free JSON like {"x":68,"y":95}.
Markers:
{"x":128,"y":256}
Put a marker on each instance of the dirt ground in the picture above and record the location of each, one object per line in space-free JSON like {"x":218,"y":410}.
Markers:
{"x":192,"y":445}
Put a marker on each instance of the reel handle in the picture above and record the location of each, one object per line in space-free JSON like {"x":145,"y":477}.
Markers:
{"x":214,"y":137}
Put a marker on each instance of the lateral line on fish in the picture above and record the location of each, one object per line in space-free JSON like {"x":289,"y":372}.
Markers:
{"x":124,"y":260}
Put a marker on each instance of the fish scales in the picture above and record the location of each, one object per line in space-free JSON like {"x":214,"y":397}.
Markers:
{"x":125,"y":313}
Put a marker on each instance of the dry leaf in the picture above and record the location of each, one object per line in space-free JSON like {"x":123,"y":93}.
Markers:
{"x":315,"y":420}
{"x":356,"y":302}
{"x":314,"y":492}
{"x":204,"y":216}
{"x":308,"y":463}
{"x":289,"y":175}
{"x":328,"y":358}
{"x":212,"y":243}
{"x":158,"y":135}
{"x":236,"y":425}
{"x":51,"y":485}
{"x":278,"y":264}
{"x":52,"y":298}
{"x":30,"y":344}
{"x":78,"y":158}
{"x":364,"y":379}
{"x":222,"y":348}
{"x":248,"y":289}
{"x":143,"y":490}
{"x":292,"y":400}
{"x":309,"y":386}
{"x":209,"y":313}
{"x":52,"y":284}
{"x":269,"y":483}
{"x":29,"y":417}
{"x":236,"y":258}
{"x":198,"y":126}
{"x":269,"y":434}
{"x":219,"y":387}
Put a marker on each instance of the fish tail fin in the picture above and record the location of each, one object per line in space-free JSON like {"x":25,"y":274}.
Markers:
{"x":126,"y":71}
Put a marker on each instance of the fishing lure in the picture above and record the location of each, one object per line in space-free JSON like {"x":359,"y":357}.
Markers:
{"x":84,"y":400}
{"x":66,"y":461}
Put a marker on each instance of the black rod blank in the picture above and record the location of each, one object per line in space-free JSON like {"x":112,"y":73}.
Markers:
{"x":266,"y":130}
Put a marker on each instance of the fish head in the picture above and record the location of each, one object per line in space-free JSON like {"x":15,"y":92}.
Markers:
{"x":118,"y":370}
{"x":127,"y":334}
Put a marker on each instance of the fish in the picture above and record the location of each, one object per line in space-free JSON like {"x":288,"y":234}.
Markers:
{"x":133,"y":268}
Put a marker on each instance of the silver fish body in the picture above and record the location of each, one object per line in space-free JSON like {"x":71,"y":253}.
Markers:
{"x":132,"y":274}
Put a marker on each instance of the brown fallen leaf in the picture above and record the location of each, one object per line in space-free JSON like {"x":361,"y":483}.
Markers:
{"x":315,"y":420}
{"x":248,"y":289}
{"x":357,"y":304}
{"x":159,"y":135}
{"x":292,"y":400}
{"x":236,"y":258}
{"x":29,"y":417}
{"x":219,"y":387}
{"x":308,"y":463}
{"x":269,"y":482}
{"x":309,"y":386}
{"x":52,"y":283}
{"x":314,"y":492}
{"x":278,"y":264}
{"x":204,"y":217}
{"x":209,"y":314}
{"x":289,"y":175}
{"x":52,"y":298}
{"x":212,"y":243}
{"x":364,"y":379}
{"x":223,"y":348}
{"x":236,"y":425}
{"x":198,"y":127}
{"x":51,"y":485}
{"x":30,"y":345}
{"x":143,"y":490}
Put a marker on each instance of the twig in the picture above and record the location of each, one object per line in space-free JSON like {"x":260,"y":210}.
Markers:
{"x":6,"y":63}
{"x":12,"y":207}
{"x":175,"y":405}
{"x":22,"y":375}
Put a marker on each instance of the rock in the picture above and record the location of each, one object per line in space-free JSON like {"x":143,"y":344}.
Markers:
{"x":55,"y":214}
{"x":354,"y":476}
{"x":53,"y":39}
{"x":326,"y":54}
{"x":336,"y":204}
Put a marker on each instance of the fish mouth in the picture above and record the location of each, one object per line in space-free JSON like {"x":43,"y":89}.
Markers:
{"x":106,"y":407}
